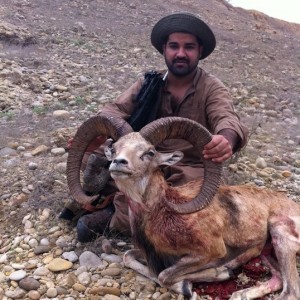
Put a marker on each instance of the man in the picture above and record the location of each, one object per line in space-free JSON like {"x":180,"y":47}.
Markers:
{"x":188,"y":92}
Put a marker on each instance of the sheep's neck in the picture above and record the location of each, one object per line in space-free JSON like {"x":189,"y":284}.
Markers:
{"x":146,"y":190}
{"x":155,"y":190}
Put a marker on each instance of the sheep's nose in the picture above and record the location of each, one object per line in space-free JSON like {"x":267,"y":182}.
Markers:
{"x":120,"y":161}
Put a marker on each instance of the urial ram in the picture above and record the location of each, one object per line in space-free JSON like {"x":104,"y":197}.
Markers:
{"x":198,"y":232}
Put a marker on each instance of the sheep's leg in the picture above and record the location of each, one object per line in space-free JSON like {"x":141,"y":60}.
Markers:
{"x":285,"y":232}
{"x":132,"y":259}
{"x":285,"y":239}
{"x":196,"y":270}
{"x":264,"y":288}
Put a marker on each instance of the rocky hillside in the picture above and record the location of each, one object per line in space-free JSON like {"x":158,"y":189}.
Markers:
{"x":60,"y":62}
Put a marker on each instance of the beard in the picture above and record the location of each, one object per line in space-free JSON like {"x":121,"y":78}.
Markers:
{"x":181,"y":67}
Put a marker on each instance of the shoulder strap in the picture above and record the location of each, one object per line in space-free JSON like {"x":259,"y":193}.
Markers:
{"x":148,"y":100}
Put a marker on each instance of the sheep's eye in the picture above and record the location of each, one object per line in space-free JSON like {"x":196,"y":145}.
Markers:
{"x":112,"y":150}
{"x":151,"y":153}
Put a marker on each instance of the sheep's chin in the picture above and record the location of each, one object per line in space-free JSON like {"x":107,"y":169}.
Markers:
{"x":119,"y":174}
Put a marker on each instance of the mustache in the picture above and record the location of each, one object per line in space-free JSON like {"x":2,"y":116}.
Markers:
{"x":180,"y":60}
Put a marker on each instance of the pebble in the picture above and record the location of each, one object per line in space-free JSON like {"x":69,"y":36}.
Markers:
{"x":79,"y":287}
{"x":15,"y":294}
{"x":260,"y":163}
{"x":111,"y":297}
{"x":58,"y":151}
{"x":111,"y":258}
{"x":90,"y":260}
{"x":41,"y":249}
{"x":84,"y":278}
{"x":3,"y":258}
{"x":104,"y":290}
{"x":61,"y":167}
{"x":6,"y":151}
{"x":11,"y":163}
{"x":41,"y":271}
{"x":59,"y":264}
{"x":61,"y":114}
{"x":32,"y":166}
{"x":34,"y":295}
{"x":52,"y":292}
{"x":17,"y":275}
{"x":29,"y":284}
{"x":38,"y":150}
{"x":111,"y":272}
{"x":70,"y":256}
{"x":44,"y":241}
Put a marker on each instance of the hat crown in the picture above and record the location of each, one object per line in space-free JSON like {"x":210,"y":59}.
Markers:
{"x":187,"y":23}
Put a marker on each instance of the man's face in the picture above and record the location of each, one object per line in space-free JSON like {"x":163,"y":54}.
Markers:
{"x":182,"y":52}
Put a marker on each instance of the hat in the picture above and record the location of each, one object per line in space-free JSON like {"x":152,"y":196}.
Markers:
{"x":187,"y":23}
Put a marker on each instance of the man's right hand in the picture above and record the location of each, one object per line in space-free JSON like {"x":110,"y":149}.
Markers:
{"x":93,"y":145}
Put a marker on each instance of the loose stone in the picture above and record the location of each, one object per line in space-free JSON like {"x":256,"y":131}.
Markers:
{"x":58,"y":151}
{"x":34,"y":295}
{"x":70,"y":256}
{"x":104,"y":290}
{"x":79,"y":287}
{"x":111,"y":272}
{"x":38,"y":150}
{"x":52,"y":292}
{"x":44,"y":242}
{"x":17,"y":275}
{"x":41,"y":249}
{"x":59,"y":264}
{"x":286,"y":174}
{"x":260,"y":163}
{"x":41,"y":271}
{"x":84,"y":278}
{"x":32,"y":166}
{"x":90,"y":260}
{"x":61,"y":114}
{"x":15,"y":294}
{"x":111,"y":297}
{"x":111,"y":258}
{"x":29,"y":284}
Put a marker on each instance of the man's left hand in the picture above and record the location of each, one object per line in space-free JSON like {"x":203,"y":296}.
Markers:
{"x":218,"y":149}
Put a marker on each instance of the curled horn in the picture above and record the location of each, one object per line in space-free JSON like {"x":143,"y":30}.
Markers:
{"x":191,"y":131}
{"x":110,"y":126}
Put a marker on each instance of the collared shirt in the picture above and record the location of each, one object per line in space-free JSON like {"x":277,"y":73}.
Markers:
{"x":207,"y":102}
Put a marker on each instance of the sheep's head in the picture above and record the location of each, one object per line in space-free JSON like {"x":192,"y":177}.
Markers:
{"x":134,"y":154}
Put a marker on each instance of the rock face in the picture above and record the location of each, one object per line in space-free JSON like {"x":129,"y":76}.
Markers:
{"x":56,"y":71}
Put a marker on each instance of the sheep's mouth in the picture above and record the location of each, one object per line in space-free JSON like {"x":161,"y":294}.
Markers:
{"x":119,"y":173}
{"x":114,"y":172}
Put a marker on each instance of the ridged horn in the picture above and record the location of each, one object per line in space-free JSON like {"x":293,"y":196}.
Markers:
{"x":191,"y":131}
{"x":109,"y":126}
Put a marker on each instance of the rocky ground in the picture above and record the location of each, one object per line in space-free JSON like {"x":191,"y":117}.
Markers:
{"x":60,"y":62}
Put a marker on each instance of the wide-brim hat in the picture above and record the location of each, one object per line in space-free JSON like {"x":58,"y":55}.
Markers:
{"x":187,"y":23}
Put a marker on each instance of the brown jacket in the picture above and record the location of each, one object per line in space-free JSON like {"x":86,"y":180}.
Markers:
{"x":207,"y":102}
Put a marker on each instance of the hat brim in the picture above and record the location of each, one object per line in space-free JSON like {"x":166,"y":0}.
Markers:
{"x":187,"y":23}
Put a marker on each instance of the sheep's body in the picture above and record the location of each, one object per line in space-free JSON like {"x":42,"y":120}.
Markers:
{"x":207,"y":244}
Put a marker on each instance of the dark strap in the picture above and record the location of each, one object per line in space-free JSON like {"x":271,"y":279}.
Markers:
{"x":148,"y":100}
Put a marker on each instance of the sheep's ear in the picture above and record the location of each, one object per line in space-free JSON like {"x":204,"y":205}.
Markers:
{"x":168,"y":159}
{"x":108,"y":149}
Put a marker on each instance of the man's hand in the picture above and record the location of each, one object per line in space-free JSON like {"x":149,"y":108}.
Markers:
{"x":93,"y":145}
{"x":218,"y":149}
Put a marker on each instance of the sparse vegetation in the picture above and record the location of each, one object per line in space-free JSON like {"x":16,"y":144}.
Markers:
{"x":7,"y":115}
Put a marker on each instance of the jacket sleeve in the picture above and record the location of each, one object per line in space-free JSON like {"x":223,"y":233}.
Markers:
{"x":124,"y":105}
{"x":220,"y":112}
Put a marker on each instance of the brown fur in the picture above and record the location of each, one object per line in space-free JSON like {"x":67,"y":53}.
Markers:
{"x":206,"y":244}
